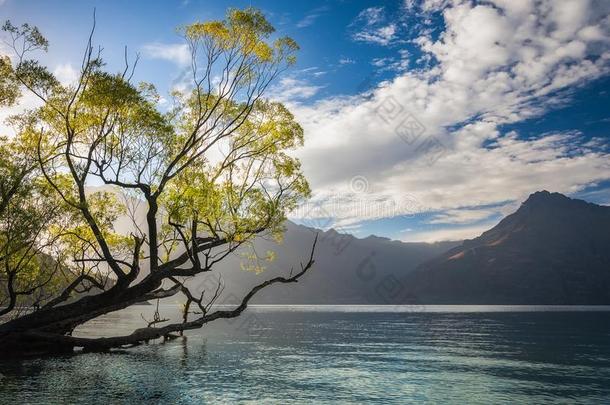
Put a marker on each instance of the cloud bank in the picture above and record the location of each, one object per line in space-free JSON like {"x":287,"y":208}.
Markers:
{"x":494,"y":64}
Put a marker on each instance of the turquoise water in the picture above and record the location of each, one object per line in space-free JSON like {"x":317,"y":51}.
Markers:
{"x":294,"y":355}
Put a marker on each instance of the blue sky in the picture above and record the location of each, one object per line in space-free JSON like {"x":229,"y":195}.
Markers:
{"x":424,"y":119}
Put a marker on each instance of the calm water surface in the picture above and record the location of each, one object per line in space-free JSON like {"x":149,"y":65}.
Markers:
{"x":338,"y":355}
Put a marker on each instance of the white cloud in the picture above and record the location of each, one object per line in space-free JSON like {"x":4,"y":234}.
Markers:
{"x":291,"y":89}
{"x":398,"y":63}
{"x":346,"y":61}
{"x":27,"y":101}
{"x":370,"y":26}
{"x":451,"y":234}
{"x":176,"y":53}
{"x":494,"y":67}
{"x":371,"y":15}
{"x":311,"y":17}
{"x":409,"y":4}
{"x":66,"y":74}
{"x":463,"y":216}
{"x":382,"y":35}
{"x":380,"y":62}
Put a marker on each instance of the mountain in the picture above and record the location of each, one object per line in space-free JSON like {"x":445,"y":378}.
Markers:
{"x":348,"y":270}
{"x":552,"y":250}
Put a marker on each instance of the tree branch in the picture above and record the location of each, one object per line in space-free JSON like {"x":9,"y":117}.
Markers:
{"x":150,"y":333}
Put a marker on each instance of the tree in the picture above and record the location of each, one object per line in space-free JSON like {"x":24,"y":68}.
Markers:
{"x":28,"y":208}
{"x":213,"y":171}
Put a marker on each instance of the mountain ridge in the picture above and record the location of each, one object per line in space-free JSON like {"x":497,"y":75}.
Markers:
{"x":552,"y":250}
{"x":348,"y":270}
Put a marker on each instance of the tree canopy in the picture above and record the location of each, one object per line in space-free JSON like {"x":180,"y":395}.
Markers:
{"x":211,"y":167}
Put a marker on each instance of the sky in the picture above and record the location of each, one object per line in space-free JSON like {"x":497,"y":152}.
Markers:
{"x":424,"y":120}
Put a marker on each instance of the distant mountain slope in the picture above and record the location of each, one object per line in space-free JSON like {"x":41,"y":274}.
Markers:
{"x":552,"y":250}
{"x":347,"y":270}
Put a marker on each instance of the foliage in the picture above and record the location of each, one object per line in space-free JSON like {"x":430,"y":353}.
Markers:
{"x":9,"y":88}
{"x":28,"y":208}
{"x":212,"y":171}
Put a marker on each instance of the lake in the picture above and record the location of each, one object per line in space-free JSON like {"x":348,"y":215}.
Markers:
{"x":338,"y":354}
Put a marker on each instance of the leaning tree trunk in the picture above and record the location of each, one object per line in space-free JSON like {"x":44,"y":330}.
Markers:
{"x":27,"y":334}
{"x":49,"y":330}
